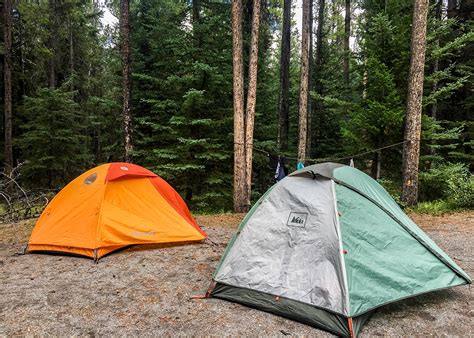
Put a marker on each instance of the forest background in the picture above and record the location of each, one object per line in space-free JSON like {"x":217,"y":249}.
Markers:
{"x":67,"y":93}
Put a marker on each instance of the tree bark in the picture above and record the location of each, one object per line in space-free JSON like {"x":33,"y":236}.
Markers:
{"x":7,"y":73}
{"x":304,"y":82}
{"x":284,"y":100}
{"x":71,"y":48}
{"x":239,"y":122}
{"x":251,"y":100}
{"x":365,"y":78}
{"x":411,"y":149}
{"x":319,"y":45}
{"x":434,"y":88}
{"x":376,"y":168}
{"x":310,"y":76}
{"x":347,"y":34}
{"x":52,"y":44}
{"x":22,"y":56}
{"x":196,"y":17}
{"x":125,"y":53}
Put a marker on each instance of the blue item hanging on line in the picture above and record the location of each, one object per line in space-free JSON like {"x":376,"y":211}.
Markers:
{"x":299,"y":166}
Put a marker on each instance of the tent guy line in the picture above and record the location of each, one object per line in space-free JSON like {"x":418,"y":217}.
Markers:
{"x":319,"y":160}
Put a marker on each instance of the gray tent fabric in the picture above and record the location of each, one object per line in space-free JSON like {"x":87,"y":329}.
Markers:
{"x":326,"y":246}
{"x":272,"y":254}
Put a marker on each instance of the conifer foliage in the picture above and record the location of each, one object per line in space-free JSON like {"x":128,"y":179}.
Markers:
{"x":204,"y":102}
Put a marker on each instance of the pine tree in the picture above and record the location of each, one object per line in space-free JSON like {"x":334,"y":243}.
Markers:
{"x":183,"y":97}
{"x":53,"y":138}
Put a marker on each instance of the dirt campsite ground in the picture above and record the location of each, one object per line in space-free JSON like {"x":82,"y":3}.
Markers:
{"x":147,"y":291}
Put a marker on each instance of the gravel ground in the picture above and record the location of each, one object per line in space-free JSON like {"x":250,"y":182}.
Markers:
{"x":147,"y":291}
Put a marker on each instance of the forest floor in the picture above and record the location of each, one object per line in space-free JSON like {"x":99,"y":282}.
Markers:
{"x":147,"y":290}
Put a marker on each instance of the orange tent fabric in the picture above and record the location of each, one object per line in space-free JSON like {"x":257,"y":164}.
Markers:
{"x":112,"y":206}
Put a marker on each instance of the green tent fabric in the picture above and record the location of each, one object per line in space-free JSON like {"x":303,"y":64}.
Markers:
{"x":326,"y":246}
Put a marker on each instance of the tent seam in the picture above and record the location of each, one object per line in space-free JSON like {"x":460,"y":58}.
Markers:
{"x":99,"y":218}
{"x":341,"y":255}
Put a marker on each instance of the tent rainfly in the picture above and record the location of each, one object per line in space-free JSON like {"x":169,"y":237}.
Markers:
{"x":326,"y":246}
{"x":110,"y":207}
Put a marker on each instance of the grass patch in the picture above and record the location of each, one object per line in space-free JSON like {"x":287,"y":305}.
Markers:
{"x":436,"y":208}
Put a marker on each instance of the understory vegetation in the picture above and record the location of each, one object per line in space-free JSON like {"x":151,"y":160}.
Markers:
{"x":66,"y":94}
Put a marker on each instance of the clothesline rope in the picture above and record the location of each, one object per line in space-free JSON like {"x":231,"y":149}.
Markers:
{"x":328,"y":159}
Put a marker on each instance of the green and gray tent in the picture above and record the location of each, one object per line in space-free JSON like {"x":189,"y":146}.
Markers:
{"x":326,"y":246}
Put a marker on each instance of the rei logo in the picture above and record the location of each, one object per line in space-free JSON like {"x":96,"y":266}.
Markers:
{"x":297,"y":219}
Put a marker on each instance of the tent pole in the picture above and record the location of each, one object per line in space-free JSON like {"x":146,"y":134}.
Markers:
{"x":351,"y":331}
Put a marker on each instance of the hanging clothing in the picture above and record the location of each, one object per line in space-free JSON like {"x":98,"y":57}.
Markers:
{"x":352,"y":163}
{"x":277,"y":163}
{"x":299,"y":166}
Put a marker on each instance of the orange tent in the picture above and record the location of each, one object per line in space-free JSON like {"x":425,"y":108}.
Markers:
{"x":112,"y":206}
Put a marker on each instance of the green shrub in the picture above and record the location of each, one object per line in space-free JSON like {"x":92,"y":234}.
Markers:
{"x":441,"y":180}
{"x":461,"y":192}
{"x":445,"y":188}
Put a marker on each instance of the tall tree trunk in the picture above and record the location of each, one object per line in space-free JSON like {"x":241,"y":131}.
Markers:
{"x":319,"y":45}
{"x":251,"y":100}
{"x":7,"y":73}
{"x":52,"y":44}
{"x":22,"y":56}
{"x":284,"y":101}
{"x":347,"y":34}
{"x":239,"y":122}
{"x":317,"y":70}
{"x":304,"y":81}
{"x":411,"y":149}
{"x":71,"y":50}
{"x":310,"y":82}
{"x":376,"y":168}
{"x":125,"y":51}
{"x":196,"y":17}
{"x":365,"y":78}
{"x":434,"y":88}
